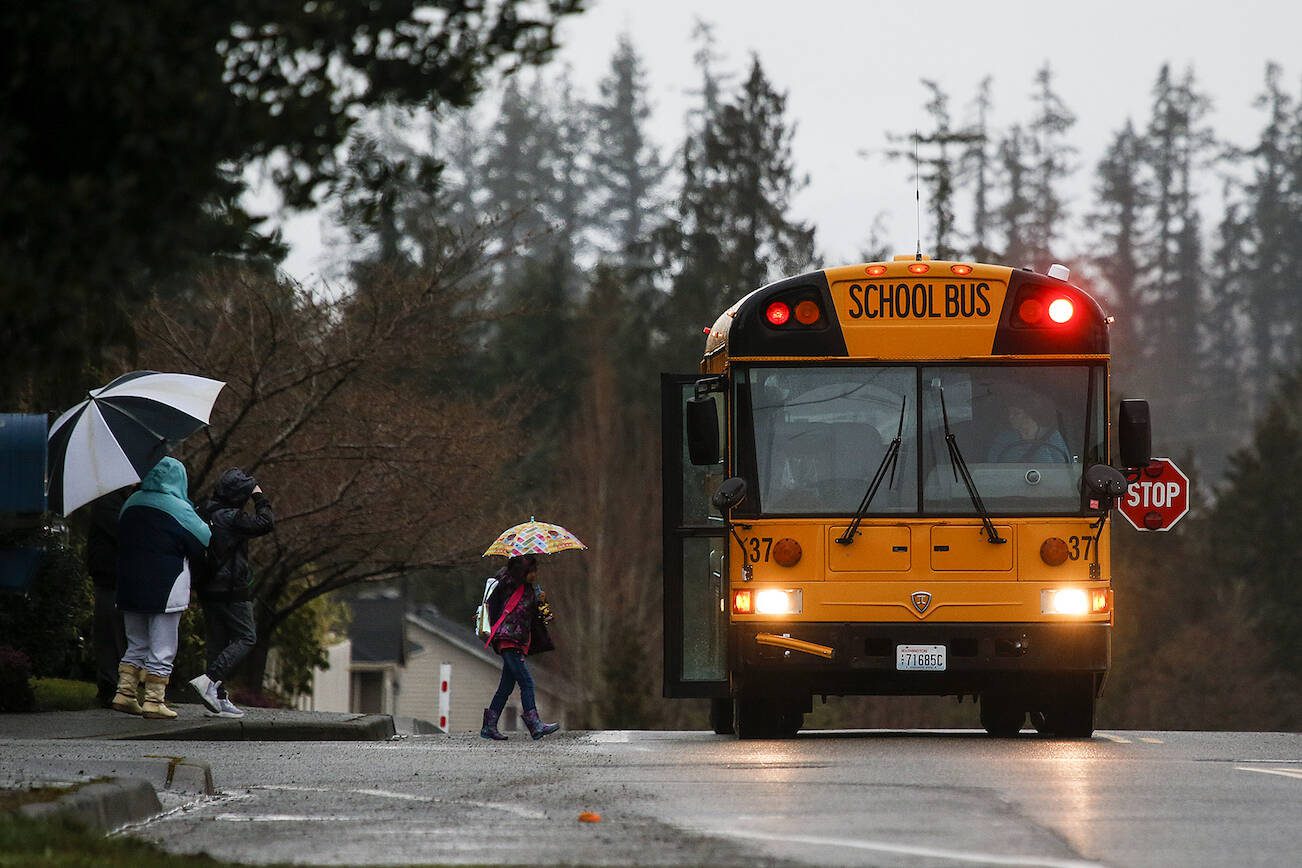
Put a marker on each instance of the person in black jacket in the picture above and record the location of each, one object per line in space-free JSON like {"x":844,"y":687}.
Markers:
{"x":226,"y":594}
{"x":109,"y":636}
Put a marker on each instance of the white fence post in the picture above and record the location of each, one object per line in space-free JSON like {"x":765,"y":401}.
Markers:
{"x":445,"y":695}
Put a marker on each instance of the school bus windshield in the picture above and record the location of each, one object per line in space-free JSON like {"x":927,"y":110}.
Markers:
{"x":812,"y":437}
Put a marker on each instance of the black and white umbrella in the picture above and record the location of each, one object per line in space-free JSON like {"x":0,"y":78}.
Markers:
{"x":121,"y":431}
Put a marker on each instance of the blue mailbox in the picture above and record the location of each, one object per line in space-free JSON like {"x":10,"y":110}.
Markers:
{"x":22,"y":494}
{"x":22,"y":464}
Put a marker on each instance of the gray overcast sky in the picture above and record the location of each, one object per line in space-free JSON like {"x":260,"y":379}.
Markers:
{"x":851,"y":71}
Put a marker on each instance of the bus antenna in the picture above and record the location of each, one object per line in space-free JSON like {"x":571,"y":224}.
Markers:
{"x":917,"y":191}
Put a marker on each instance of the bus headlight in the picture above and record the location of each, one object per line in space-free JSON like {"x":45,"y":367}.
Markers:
{"x":775,"y":601}
{"x":1073,"y":601}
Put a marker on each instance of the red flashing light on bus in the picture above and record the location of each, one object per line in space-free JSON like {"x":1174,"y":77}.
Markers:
{"x":778,"y":313}
{"x":1061,"y":310}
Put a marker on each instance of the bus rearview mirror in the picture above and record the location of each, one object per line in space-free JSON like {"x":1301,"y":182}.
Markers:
{"x":1136,"y":443}
{"x":731,"y":492}
{"x":702,"y":431}
{"x":1105,"y":483}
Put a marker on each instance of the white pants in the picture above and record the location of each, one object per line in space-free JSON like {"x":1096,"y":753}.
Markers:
{"x":152,"y":641}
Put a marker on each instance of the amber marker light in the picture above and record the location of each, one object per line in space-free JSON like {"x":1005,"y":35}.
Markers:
{"x":1053,"y":551}
{"x":961,"y":270}
{"x":741,"y":603}
{"x":919,"y":267}
{"x":1100,"y":601}
{"x":808,"y":313}
{"x":875,"y":270}
{"x":1031,"y":311}
{"x":787,"y":552}
{"x":1061,"y":310}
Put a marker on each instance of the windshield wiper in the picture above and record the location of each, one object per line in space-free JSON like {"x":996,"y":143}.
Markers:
{"x":960,"y":467}
{"x":888,"y":460}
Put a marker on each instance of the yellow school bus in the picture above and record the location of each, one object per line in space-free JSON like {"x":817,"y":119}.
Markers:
{"x":893,"y":478}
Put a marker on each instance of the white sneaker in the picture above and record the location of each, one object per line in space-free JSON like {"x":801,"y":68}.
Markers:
{"x":207,"y":690}
{"x":229,"y":709}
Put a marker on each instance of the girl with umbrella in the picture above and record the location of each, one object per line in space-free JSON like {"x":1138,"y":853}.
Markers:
{"x":519,"y":628}
{"x":519,"y":614}
{"x":161,"y":539}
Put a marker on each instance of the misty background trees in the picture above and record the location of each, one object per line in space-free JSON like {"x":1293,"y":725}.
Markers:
{"x":514,"y":266}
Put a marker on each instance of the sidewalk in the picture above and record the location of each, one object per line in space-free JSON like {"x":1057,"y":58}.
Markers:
{"x":258,"y":724}
{"x":110,"y":792}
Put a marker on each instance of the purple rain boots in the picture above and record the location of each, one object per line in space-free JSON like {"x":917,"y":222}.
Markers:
{"x":536,"y":727}
{"x":489,"y":729}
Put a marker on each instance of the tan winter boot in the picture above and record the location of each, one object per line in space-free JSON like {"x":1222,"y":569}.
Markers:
{"x":153,"y":707}
{"x":128,"y":680}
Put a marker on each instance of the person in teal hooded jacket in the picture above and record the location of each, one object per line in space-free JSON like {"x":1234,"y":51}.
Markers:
{"x":161,"y":540}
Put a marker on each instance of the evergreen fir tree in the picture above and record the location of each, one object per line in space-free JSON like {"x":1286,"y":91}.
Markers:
{"x":938,"y":169}
{"x":1122,"y":202}
{"x":1274,"y":220}
{"x":977,"y":170}
{"x":1177,"y":143}
{"x":518,"y":168}
{"x":1229,"y":394}
{"x":1050,"y":162}
{"x":627,"y":170}
{"x":1015,"y":212}
{"x":1257,"y":550}
{"x":731,"y":231}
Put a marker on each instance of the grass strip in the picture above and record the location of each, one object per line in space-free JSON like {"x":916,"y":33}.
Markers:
{"x":60,"y":841}
{"x":62,"y":694}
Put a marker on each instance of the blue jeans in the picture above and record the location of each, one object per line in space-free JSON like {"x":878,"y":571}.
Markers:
{"x":514,"y":671}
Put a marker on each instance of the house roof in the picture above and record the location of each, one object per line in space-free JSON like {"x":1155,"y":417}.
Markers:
{"x":453,"y":632}
{"x":376,"y":630}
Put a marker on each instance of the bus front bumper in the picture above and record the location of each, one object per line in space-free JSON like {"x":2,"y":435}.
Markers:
{"x":977,"y":657}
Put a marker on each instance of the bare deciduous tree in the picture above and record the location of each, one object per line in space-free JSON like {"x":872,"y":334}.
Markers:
{"x":342,"y":409}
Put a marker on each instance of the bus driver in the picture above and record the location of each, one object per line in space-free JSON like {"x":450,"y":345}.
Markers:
{"x":1029,"y":437}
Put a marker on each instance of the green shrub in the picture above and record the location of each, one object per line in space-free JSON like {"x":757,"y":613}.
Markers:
{"x":51,"y":623}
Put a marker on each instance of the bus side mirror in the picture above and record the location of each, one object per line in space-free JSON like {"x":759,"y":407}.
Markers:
{"x":1105,"y":484}
{"x":1136,"y":444}
{"x":702,"y":431}
{"x":730,"y":493}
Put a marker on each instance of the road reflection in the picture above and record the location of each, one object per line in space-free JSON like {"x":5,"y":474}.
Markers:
{"x":1073,"y":791}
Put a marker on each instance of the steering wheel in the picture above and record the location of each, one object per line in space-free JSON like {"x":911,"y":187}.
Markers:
{"x":1014,"y":451}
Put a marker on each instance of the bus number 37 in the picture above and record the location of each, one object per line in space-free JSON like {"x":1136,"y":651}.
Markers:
{"x":1076,"y":544}
{"x":757,"y":549}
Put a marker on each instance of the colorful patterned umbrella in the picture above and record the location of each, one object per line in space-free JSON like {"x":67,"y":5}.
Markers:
{"x":534,"y":538}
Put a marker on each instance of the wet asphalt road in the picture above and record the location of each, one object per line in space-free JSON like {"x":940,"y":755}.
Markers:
{"x":846,"y":798}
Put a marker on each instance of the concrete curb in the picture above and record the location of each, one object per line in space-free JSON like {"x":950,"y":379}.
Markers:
{"x":368,"y":727}
{"x":102,"y":805}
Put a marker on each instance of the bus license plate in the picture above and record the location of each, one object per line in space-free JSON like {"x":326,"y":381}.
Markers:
{"x":929,"y":658}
